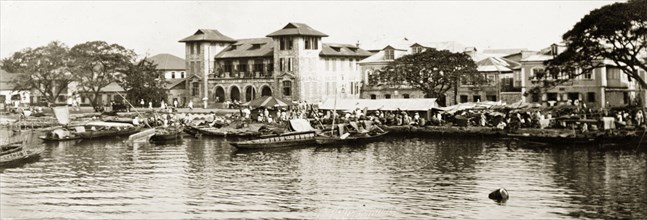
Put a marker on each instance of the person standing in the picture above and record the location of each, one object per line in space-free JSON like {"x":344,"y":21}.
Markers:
{"x":150,"y":105}
{"x":141,"y":103}
{"x":190,"y":105}
{"x":175,"y":103}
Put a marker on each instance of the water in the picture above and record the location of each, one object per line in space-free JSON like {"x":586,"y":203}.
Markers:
{"x":396,"y":178}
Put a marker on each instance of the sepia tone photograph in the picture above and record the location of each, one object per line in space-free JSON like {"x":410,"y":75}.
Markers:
{"x":430,"y":109}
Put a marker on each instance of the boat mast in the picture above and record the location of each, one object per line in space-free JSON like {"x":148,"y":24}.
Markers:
{"x":334,"y":111}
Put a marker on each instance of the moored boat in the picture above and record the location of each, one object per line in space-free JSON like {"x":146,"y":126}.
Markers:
{"x":358,"y":135}
{"x":15,"y":154}
{"x":300,"y":134}
{"x":90,"y":130}
{"x":166,"y":134}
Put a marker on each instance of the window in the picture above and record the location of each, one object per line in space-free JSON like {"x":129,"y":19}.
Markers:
{"x":182,"y":75}
{"x":195,"y":89}
{"x":258,"y":65}
{"x":406,"y":96}
{"x":270,"y":67}
{"x":199,"y":66}
{"x":463,"y":98}
{"x":389,"y":54}
{"x":327,"y":64}
{"x":311,"y":43}
{"x":228,"y":66}
{"x":417,"y":50}
{"x":551,"y":96}
{"x":285,"y":43}
{"x":387,"y":96}
{"x":590,"y":97}
{"x":290,"y":64}
{"x":613,"y":74}
{"x":373,"y":96}
{"x":281,"y":64}
{"x":535,"y":97}
{"x":198,"y":48}
{"x":476,"y":98}
{"x":334,"y":64}
{"x":287,"y":88}
{"x":491,"y":98}
{"x":491,"y":79}
{"x":190,"y":45}
{"x":352,"y":88}
{"x":242,"y":66}
{"x":536,"y":73}
{"x":172,"y":75}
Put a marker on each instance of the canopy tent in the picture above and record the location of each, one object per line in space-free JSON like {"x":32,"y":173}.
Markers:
{"x":268,"y":102}
{"x":470,"y":105}
{"x":380,"y":104}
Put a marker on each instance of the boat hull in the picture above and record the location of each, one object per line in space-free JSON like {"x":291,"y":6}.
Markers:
{"x":330,"y":140}
{"x":278,"y":141}
{"x":16,"y":155}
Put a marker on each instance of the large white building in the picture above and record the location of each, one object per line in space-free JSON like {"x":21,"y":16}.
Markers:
{"x":292,"y":63}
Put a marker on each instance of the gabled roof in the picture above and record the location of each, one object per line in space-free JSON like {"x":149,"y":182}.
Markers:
{"x":496,"y":64}
{"x":208,"y":35}
{"x":166,"y":61}
{"x":345,"y":50}
{"x":452,"y":46}
{"x":379,"y":57}
{"x":172,"y":83}
{"x":112,"y":87}
{"x":299,"y":29}
{"x":256,"y":47}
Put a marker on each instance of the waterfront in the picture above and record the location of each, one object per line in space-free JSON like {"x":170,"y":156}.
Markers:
{"x":396,"y":178}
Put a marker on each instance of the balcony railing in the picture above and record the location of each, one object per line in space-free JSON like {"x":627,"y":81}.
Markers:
{"x":243,"y":75}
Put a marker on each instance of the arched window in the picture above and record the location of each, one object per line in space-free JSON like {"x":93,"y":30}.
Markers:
{"x":406,"y":96}
{"x":172,"y":75}
{"x":373,"y":96}
{"x":287,"y":88}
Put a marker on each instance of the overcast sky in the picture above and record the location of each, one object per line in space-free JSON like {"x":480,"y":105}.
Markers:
{"x":152,"y":27}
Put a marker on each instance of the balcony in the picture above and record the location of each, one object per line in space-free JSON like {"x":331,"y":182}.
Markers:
{"x":242,"y":75}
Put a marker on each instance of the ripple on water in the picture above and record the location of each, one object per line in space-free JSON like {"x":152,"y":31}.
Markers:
{"x":395,"y":178}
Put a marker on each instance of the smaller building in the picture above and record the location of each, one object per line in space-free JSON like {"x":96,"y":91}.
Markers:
{"x":174,"y":71}
{"x":9,"y":95}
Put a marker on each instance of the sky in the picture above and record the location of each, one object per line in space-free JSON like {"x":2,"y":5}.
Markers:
{"x":153,"y":27}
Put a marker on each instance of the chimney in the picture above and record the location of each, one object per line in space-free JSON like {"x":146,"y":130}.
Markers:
{"x":357,"y":44}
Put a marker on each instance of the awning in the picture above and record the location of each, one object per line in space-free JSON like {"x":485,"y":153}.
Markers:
{"x":380,"y":104}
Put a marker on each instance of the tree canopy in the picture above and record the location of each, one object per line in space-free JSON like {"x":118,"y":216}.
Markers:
{"x":44,"y":69}
{"x":142,"y":80}
{"x":433,"y":72}
{"x":616,"y":32}
{"x":96,"y":64}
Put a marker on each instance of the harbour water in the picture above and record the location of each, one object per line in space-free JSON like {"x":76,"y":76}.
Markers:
{"x":399,"y":177}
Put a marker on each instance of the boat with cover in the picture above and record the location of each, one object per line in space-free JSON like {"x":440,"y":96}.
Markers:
{"x":166,"y":134}
{"x":300,"y":133}
{"x":357,"y":134}
{"x":14,"y":154}
{"x":86,"y":130}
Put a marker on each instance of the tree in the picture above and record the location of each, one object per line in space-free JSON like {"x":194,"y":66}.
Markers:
{"x":44,"y":69}
{"x":96,"y":64}
{"x":433,"y":72}
{"x":616,"y":32}
{"x":142,"y":80}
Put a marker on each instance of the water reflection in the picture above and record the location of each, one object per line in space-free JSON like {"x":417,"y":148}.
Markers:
{"x":395,"y":178}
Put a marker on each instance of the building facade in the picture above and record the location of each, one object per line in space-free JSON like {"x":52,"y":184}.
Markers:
{"x":292,"y":63}
{"x":174,"y":72}
{"x":604,"y":87}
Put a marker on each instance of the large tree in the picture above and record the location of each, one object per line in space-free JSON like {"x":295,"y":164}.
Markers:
{"x":142,"y":80}
{"x":616,"y":32}
{"x":43,"y":69}
{"x":434,"y":72}
{"x":96,"y":64}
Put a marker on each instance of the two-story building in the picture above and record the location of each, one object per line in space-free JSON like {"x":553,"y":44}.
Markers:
{"x":174,"y":72}
{"x":387,"y":55}
{"x":292,"y":63}
{"x":605,"y":86}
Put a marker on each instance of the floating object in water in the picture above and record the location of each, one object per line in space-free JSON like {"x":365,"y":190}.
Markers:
{"x":500,"y":195}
